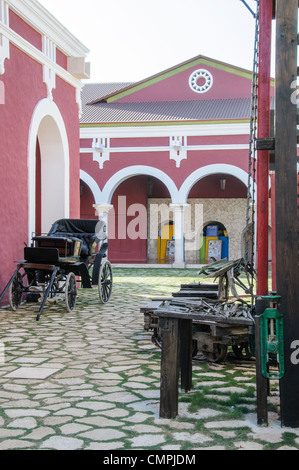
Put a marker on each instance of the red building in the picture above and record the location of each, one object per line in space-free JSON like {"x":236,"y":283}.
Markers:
{"x":180,"y":137}
{"x":41,"y":65}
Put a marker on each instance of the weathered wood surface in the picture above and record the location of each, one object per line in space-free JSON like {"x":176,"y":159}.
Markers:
{"x":168,"y":313}
{"x":286,"y":199}
{"x":169,"y":368}
{"x":193,"y":292}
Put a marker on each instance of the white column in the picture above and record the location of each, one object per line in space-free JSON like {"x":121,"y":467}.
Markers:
{"x":102,"y":211}
{"x":178,"y":216}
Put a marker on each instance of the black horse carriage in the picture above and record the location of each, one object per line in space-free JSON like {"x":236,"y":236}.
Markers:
{"x":74,"y":251}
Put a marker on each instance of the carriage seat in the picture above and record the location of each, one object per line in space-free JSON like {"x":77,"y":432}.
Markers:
{"x":89,"y":241}
{"x":84,"y":229}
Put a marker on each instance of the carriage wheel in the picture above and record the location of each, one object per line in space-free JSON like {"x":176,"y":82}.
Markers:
{"x":15,"y":293}
{"x":219,"y":353}
{"x":242,"y":351}
{"x":70,"y":292}
{"x":105,"y":282}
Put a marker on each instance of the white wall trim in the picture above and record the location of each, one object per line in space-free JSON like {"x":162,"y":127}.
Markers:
{"x":4,"y":42}
{"x":167,"y":148}
{"x":130,"y":171}
{"x":165,"y":131}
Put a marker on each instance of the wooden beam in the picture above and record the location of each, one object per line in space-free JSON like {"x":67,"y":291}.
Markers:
{"x":169,"y":368}
{"x":286,"y":202}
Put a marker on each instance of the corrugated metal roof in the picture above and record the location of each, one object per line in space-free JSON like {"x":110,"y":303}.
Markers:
{"x":167,"y":111}
{"x":95,"y":91}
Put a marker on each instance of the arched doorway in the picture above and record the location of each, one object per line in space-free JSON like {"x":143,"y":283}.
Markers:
{"x":214,"y":243}
{"x":48,"y":168}
{"x":133,"y":192}
{"x":132,"y":238}
{"x":223,"y":198}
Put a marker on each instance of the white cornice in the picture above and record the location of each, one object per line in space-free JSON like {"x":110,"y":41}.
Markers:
{"x":165,"y":130}
{"x":167,"y":148}
{"x":33,"y":13}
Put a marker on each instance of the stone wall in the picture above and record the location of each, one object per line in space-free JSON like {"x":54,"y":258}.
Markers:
{"x":229,"y":212}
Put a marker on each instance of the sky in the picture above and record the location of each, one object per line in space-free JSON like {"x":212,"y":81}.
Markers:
{"x":130,"y":40}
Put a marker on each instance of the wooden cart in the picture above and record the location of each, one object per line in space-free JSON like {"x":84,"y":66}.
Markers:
{"x":219,"y":322}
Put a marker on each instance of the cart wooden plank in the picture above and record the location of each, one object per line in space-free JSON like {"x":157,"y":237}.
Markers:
{"x":46,"y":267}
{"x":199,"y":285}
{"x":199,"y":316}
{"x":192,"y":292}
{"x":151,"y":306}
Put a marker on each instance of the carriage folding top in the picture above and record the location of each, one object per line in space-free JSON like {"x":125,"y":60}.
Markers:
{"x":74,"y":251}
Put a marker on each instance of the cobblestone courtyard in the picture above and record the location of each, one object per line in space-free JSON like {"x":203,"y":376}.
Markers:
{"x":90,"y":380}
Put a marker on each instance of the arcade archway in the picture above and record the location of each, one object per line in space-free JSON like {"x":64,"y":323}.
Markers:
{"x":48,"y":164}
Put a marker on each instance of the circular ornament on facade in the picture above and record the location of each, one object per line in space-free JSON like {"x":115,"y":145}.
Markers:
{"x":201,"y":81}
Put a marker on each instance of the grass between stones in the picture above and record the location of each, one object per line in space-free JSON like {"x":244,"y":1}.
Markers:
{"x":106,"y":393}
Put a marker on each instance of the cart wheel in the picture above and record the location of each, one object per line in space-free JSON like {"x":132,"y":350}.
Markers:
{"x":70,"y":292}
{"x":219,"y":353}
{"x":105,"y":282}
{"x":15,"y":293}
{"x":242,"y":351}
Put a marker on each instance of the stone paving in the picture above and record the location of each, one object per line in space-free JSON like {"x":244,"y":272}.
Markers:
{"x":90,"y":380}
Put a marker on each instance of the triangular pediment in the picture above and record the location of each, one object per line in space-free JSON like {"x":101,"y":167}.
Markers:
{"x":200,"y":78}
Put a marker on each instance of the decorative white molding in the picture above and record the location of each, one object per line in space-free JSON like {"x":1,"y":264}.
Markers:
{"x":101,"y":150}
{"x":195,"y":81}
{"x":178,"y":149}
{"x":4,"y":12}
{"x":4,"y":52}
{"x":135,"y":170}
{"x":49,"y":75}
{"x":218,"y":168}
{"x":4,"y":41}
{"x":78,"y":67}
{"x":78,"y":100}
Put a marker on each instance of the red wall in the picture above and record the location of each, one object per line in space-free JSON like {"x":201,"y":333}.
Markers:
{"x":24,"y":88}
{"x":87,"y":201}
{"x":161,"y":160}
{"x":127,"y":250}
{"x":15,"y":118}
{"x":25,"y":30}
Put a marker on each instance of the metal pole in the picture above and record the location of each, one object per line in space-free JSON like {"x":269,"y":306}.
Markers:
{"x":266,"y":10}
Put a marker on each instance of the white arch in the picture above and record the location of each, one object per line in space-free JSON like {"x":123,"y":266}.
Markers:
{"x":211,"y":170}
{"x":130,"y":171}
{"x":92,"y":184}
{"x":47,"y":124}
